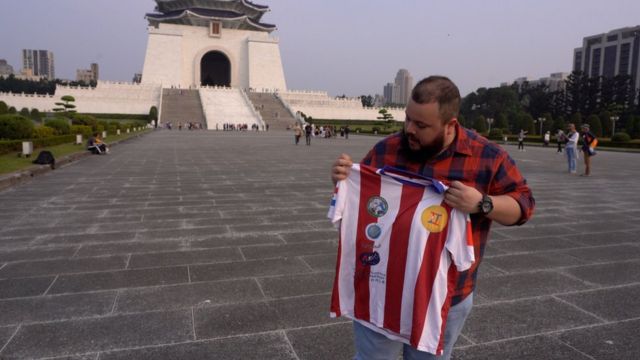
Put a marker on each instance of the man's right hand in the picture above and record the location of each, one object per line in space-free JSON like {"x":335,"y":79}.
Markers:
{"x":341,"y":168}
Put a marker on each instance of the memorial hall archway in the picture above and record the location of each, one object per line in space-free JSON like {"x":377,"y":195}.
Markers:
{"x":215,"y":69}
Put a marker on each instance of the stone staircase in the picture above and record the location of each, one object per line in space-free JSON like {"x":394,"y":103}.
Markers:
{"x":181,"y":105}
{"x":271,"y":110}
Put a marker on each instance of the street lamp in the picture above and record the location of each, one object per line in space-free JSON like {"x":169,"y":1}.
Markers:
{"x":489,"y":121}
{"x":541,"y":120}
{"x":613,"y":124}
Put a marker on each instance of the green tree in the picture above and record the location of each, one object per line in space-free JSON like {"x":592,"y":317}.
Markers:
{"x":66,"y":106}
{"x":528,"y":124}
{"x":367,"y":100}
{"x":576,"y":119}
{"x":3,"y":108}
{"x":35,"y":114}
{"x":605,"y":119}
{"x":501,"y":122}
{"x":558,"y":124}
{"x":595,"y":125}
{"x":24,"y":112}
{"x":12,"y":110}
{"x":480,"y":124}
{"x":385,"y":115}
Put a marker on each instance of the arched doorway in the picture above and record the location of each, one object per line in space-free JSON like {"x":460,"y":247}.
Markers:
{"x":215,"y":69}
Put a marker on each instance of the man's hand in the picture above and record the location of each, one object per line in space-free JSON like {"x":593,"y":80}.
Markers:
{"x":341,"y":168}
{"x":462,"y":197}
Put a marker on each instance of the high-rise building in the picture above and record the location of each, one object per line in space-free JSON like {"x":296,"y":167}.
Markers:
{"x":404,"y":83}
{"x":40,"y":62}
{"x":88,"y":75}
{"x":399,"y":91}
{"x":5,"y":68}
{"x":610,"y":54}
{"x":388,"y":92}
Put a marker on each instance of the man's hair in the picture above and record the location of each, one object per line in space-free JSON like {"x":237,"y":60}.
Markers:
{"x":441,"y":90}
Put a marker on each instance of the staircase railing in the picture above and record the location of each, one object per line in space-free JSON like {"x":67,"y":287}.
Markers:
{"x":253,"y":110}
{"x":294,"y":114}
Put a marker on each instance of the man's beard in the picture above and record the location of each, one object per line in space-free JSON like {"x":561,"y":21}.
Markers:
{"x":426,"y":152}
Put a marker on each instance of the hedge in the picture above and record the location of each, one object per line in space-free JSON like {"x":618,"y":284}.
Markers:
{"x":9,"y":146}
{"x":15,"y":127}
{"x":61,"y":126}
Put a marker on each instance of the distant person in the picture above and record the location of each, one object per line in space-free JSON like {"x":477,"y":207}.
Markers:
{"x":560,"y":139}
{"x":571,"y":149}
{"x":521,"y":135}
{"x":346,"y":132}
{"x":307,"y":134}
{"x":297,"y":133}
{"x":96,"y":145}
{"x":589,"y":142}
{"x":547,"y":138}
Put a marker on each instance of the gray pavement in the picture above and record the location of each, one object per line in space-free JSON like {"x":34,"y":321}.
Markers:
{"x":205,"y":245}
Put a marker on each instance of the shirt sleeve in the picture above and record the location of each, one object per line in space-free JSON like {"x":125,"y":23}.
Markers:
{"x":460,"y":240}
{"x":509,"y":181}
{"x":338,"y":201}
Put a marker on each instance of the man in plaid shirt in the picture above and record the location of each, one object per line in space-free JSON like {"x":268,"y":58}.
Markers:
{"x":483,"y":181}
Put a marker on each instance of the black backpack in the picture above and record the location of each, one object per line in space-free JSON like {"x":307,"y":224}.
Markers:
{"x":45,"y":158}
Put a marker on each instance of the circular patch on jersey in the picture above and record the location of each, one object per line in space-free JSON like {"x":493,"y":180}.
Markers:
{"x":377,"y":206}
{"x":434,"y":218}
{"x":373,"y":231}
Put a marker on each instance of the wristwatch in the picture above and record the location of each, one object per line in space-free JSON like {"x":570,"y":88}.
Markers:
{"x":485,"y":206}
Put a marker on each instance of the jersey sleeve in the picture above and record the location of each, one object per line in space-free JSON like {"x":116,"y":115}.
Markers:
{"x":460,"y":241}
{"x":338,"y":201}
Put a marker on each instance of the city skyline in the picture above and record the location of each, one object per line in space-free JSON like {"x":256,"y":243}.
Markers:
{"x":335,"y":46}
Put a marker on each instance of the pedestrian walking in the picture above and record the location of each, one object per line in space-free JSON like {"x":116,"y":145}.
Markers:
{"x":521,"y":135}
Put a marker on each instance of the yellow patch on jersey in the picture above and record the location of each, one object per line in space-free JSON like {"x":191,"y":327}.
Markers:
{"x":434,"y":218}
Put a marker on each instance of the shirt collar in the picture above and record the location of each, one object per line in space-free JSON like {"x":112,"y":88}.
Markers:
{"x":461,"y":144}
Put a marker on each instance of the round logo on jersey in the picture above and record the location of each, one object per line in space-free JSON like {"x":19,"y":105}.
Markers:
{"x":434,"y":218}
{"x":370,"y":259}
{"x":373,"y":231}
{"x":377,"y":206}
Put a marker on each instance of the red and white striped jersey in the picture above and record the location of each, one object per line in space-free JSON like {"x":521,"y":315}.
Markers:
{"x":398,"y":244}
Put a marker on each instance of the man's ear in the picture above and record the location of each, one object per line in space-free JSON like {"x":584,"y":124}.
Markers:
{"x":451,"y":126}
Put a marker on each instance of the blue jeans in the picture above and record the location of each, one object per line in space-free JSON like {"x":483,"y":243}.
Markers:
{"x":371,"y":345}
{"x":571,"y":157}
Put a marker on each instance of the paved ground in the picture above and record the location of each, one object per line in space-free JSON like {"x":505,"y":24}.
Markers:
{"x":214,"y":246}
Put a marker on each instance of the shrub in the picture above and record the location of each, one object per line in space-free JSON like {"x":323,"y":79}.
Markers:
{"x":621,"y":137}
{"x":42,"y":132}
{"x":496,"y":134}
{"x":3,"y":108}
{"x":84,"y":130}
{"x":80,"y":119}
{"x":12,"y":110}
{"x":24,"y":112}
{"x":60,"y":125}
{"x":375,"y":129}
{"x":115,"y":125}
{"x":14,"y":127}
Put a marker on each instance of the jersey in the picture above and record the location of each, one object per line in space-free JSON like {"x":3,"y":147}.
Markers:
{"x":398,"y":244}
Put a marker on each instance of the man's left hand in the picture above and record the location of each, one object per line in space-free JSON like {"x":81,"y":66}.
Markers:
{"x":462,"y":197}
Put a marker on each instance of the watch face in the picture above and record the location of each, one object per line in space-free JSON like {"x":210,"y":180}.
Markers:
{"x":487,"y":207}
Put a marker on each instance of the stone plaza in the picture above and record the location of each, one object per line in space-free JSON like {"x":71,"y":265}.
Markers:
{"x":215,"y":245}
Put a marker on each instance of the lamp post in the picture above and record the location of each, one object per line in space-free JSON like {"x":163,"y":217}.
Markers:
{"x":541,"y":120}
{"x":489,"y":121}
{"x":613,"y":124}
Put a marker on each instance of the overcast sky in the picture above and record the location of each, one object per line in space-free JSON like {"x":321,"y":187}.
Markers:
{"x":341,"y":46}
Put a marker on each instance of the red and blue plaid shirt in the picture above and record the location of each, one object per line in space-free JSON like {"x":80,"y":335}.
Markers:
{"x":474,"y":161}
